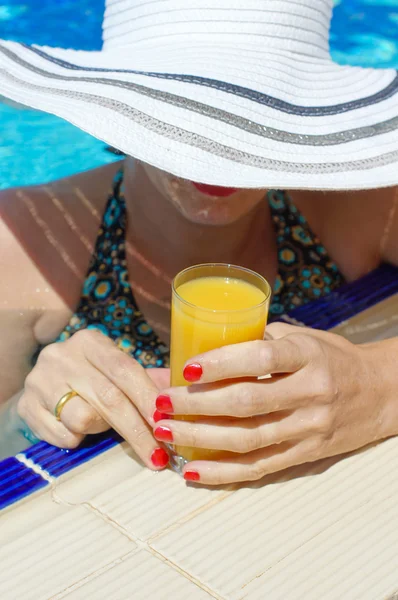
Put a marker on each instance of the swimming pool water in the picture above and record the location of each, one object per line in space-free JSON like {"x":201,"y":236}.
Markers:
{"x":36,"y":147}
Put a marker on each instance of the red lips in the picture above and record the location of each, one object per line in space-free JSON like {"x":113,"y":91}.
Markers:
{"x":214,"y":190}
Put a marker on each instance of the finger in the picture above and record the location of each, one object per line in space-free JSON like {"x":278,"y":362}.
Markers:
{"x":116,"y":409}
{"x":240,"y":436}
{"x":44,"y":425}
{"x":247,"y":398}
{"x":55,"y":432}
{"x":123,"y":371}
{"x":278,"y":330}
{"x":249,"y":359}
{"x":78,"y":416}
{"x":160,"y":377}
{"x":250,"y":467}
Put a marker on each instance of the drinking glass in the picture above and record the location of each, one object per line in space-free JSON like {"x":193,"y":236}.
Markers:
{"x":213,"y":305}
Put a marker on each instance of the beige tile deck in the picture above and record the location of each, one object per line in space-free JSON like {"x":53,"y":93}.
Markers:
{"x":331,"y":534}
{"x":51,"y":556}
{"x":164,"y":498}
{"x":29,"y":515}
{"x":356,"y":558}
{"x":140,"y":576}
{"x":235,"y":546}
{"x":104,"y":472}
{"x":376,"y":323}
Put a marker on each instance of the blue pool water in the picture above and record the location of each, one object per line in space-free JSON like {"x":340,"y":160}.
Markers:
{"x":364,"y":32}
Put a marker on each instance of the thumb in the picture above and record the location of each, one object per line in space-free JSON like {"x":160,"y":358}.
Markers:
{"x":277,"y":330}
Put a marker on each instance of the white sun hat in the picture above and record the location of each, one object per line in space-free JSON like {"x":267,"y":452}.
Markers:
{"x":238,"y":93}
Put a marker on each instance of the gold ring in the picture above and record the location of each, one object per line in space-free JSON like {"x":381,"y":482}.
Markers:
{"x":61,"y":403}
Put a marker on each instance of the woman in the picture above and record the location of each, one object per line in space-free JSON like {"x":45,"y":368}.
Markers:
{"x":327,"y":396}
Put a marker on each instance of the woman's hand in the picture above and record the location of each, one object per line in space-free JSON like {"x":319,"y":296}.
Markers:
{"x":113,"y":391}
{"x":322,"y":400}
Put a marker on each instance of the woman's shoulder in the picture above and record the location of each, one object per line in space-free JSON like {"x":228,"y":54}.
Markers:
{"x":84,"y":194}
{"x":54,"y":226}
{"x":46,"y":236}
{"x":351,"y":225}
{"x":87,"y":190}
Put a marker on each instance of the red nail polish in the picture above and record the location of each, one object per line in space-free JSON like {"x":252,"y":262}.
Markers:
{"x":159,"y":416}
{"x":164,"y":404}
{"x":191,"y":476}
{"x":163,"y":434}
{"x":193,"y":373}
{"x":160,"y":458}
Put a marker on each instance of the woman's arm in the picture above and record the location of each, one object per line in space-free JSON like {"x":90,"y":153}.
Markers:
{"x":31,"y":312}
{"x":384,"y":357}
{"x":47,"y":236}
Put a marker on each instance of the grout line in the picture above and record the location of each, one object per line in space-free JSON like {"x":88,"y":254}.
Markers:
{"x":30,"y":464}
{"x":200,"y":584}
{"x":192,"y":515}
{"x":143,"y":545}
{"x":112,"y":522}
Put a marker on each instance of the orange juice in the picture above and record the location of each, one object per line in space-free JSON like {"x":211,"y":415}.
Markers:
{"x":211,"y":311}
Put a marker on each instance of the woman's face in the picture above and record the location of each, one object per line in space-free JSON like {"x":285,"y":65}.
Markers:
{"x":203,"y":204}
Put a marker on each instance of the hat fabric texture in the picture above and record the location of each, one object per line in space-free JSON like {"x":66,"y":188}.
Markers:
{"x":223,"y":92}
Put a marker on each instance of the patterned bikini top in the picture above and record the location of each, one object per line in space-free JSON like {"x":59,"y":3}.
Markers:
{"x":107,"y":303}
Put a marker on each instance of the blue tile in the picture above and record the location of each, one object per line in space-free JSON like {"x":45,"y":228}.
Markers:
{"x":57,"y":461}
{"x":17,"y":481}
{"x":349,"y":300}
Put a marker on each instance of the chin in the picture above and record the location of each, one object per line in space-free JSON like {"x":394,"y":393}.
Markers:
{"x":212,"y":218}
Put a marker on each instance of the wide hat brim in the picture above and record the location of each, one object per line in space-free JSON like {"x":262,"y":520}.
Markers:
{"x":230,"y":110}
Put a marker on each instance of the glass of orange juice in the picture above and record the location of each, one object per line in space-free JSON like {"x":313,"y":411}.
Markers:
{"x":213,"y":305}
